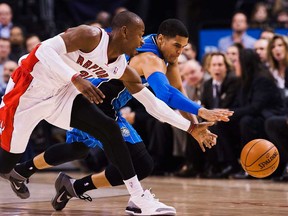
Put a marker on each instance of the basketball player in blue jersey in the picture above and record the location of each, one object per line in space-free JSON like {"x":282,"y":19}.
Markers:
{"x":97,"y":180}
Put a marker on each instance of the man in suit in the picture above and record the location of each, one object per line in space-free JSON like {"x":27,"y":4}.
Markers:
{"x":193,"y":81}
{"x":219,"y":92}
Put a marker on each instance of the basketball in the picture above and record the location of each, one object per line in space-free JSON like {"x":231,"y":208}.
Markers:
{"x":259,"y":158}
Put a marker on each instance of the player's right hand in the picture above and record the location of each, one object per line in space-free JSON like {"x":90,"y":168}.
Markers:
{"x":92,"y":93}
{"x":203,"y":136}
{"x":215,"y":114}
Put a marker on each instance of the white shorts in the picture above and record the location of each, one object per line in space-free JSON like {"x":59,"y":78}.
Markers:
{"x":26,"y":103}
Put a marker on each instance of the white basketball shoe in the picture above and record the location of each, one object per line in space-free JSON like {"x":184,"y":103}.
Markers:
{"x":146,"y":204}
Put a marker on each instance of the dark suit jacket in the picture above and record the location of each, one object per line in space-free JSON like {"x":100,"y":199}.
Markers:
{"x":228,"y":92}
{"x":263,"y":99}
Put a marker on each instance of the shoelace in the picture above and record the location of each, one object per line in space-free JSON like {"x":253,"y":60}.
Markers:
{"x":152,"y":195}
{"x":85,"y":197}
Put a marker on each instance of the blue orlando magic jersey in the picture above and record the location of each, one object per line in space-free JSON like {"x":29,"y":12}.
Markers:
{"x":116,"y":96}
{"x":150,"y":45}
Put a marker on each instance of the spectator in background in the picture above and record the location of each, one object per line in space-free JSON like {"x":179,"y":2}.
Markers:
{"x":260,"y":48}
{"x":278,"y":59}
{"x":193,"y":81}
{"x":220,"y":92}
{"x":258,"y":99}
{"x":17,"y":40}
{"x":260,"y":16}
{"x":104,"y":19}
{"x":233,"y":56}
{"x":267,"y":33}
{"x":5,"y":50}
{"x":119,"y":10}
{"x":282,"y":19}
{"x":31,"y":42}
{"x":8,"y":68}
{"x":194,"y":78}
{"x":277,"y":6}
{"x":276,"y":127}
{"x":190,"y":51}
{"x":181,"y":62}
{"x":5,"y":20}
{"x":239,"y":35}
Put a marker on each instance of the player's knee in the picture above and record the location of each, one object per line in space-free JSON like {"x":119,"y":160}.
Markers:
{"x":81,"y":149}
{"x":144,"y":166}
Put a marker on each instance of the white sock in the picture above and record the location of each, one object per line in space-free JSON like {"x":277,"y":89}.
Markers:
{"x":133,"y":186}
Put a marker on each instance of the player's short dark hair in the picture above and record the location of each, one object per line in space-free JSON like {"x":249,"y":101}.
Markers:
{"x":124,"y":18}
{"x":172,"y":28}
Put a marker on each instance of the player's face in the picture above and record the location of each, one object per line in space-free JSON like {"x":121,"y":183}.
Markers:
{"x":171,"y":48}
{"x":134,"y":39}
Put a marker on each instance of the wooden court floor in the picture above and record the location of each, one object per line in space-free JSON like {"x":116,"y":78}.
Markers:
{"x":195,"y":197}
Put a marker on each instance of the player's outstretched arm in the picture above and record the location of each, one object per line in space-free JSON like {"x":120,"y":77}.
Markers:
{"x":164,"y":113}
{"x":154,"y":70}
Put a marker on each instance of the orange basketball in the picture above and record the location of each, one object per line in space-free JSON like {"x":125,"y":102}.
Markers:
{"x":259,"y":158}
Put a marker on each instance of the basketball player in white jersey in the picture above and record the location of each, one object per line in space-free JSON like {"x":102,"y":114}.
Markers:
{"x":49,"y":85}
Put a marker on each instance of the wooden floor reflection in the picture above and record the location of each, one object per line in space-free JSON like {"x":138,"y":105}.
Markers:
{"x":195,"y":197}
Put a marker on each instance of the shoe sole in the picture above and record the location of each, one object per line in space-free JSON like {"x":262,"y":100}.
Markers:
{"x":160,"y":213}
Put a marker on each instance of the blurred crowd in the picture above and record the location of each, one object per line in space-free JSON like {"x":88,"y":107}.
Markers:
{"x":247,"y":75}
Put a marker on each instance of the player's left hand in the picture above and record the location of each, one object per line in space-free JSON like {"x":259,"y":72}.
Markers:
{"x":215,"y":114}
{"x":91,"y":92}
{"x":203,"y":136}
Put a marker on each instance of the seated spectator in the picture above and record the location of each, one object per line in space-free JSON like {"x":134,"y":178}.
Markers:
{"x":219,"y":92}
{"x":278,"y":59}
{"x":5,"y":20}
{"x":260,"y":16}
{"x":260,"y":48}
{"x":17,"y":40}
{"x":32,"y":41}
{"x":267,"y":33}
{"x":239,"y":35}
{"x":258,"y":99}
{"x":181,"y":62}
{"x":8,"y":68}
{"x":276,"y":127}
{"x":233,"y":55}
{"x":190,"y":51}
{"x":184,"y":145}
{"x":104,"y":19}
{"x":5,"y":50}
{"x":282,"y":19}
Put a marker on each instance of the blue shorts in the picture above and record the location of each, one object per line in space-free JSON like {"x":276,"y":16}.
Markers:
{"x":128,"y":132}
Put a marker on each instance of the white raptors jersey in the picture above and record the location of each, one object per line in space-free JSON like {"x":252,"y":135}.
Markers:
{"x":92,"y":64}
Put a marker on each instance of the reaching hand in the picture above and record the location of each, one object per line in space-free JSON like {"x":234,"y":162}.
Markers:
{"x":93,"y":94}
{"x":215,"y":114}
{"x":203,"y":136}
